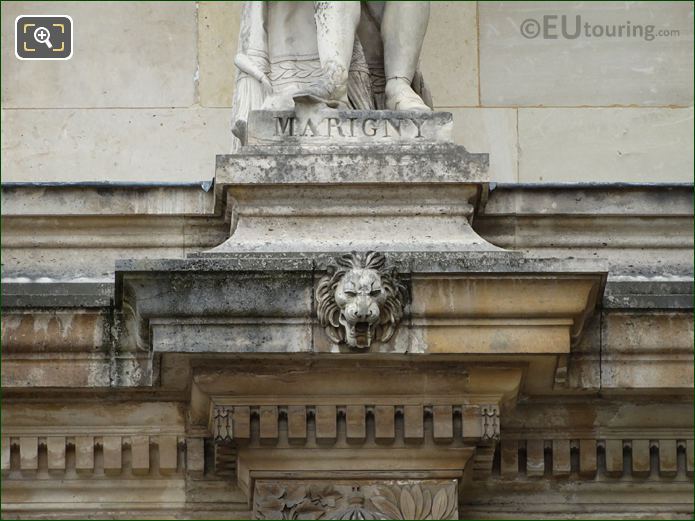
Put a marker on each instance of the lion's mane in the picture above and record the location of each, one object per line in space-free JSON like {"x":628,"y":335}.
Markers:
{"x":390,"y":312}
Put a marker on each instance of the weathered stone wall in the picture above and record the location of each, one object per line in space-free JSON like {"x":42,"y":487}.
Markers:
{"x":119,"y":385}
{"x":147,"y":95}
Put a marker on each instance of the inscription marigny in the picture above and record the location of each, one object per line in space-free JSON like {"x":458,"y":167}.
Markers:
{"x":348,"y":127}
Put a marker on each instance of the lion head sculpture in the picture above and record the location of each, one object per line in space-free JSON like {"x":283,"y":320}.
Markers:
{"x":360,"y":300}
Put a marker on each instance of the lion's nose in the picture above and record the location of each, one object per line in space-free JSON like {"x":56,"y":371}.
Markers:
{"x":362,"y":310}
{"x":362,"y":313}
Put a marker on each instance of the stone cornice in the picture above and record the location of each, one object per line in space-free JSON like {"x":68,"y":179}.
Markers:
{"x":116,"y":221}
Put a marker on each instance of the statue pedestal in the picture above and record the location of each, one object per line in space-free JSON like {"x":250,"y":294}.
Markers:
{"x":330,"y":199}
{"x":380,"y":190}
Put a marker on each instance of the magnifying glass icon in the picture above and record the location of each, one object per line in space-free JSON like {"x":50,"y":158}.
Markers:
{"x":43,"y":35}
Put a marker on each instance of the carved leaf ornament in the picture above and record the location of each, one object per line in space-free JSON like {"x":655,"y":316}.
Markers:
{"x":414,"y":502}
{"x":283,"y":500}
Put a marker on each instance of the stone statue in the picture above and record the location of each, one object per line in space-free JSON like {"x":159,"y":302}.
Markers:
{"x":344,"y":55}
{"x":360,"y":300}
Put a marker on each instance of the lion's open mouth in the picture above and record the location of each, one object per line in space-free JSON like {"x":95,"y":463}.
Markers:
{"x":358,"y":334}
{"x":362,"y":334}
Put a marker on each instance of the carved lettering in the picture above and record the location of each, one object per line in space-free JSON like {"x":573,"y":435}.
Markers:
{"x":372,"y":131}
{"x":418,"y":124}
{"x":310,"y":126}
{"x":352,"y":126}
{"x":396,"y":124}
{"x":284,"y":126}
{"x":349,"y":127}
{"x":334,"y":123}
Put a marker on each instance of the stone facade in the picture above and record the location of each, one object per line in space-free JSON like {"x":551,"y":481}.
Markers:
{"x":143,"y":427}
{"x":537,"y":119}
{"x":368,"y":314}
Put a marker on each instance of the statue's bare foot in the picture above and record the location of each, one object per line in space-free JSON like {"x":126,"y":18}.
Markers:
{"x":401,"y":96}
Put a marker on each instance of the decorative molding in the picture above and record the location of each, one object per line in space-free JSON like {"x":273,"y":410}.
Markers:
{"x":222,"y":424}
{"x":360,"y":300}
{"x":587,"y":458}
{"x":440,"y":422}
{"x":409,"y":499}
{"x":483,"y":461}
{"x":58,"y":454}
{"x":226,"y":455}
{"x":490,"y":418}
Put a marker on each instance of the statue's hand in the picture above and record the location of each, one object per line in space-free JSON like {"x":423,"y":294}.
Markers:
{"x":267,"y":86}
{"x":251,"y":68}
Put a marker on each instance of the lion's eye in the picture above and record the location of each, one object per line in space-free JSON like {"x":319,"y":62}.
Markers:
{"x":375,"y":293}
{"x":350,"y":293}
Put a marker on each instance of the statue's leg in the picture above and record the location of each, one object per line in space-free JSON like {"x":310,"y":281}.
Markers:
{"x":336,"y":25}
{"x":403,"y":26}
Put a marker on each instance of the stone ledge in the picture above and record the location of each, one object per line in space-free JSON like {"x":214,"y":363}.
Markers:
{"x":359,"y":164}
{"x":600,"y":499}
{"x":645,"y":293}
{"x":112,"y":199}
{"x":556,"y":199}
{"x":501,"y":304}
{"x":195,"y":199}
{"x":639,"y":293}
{"x":499,"y":261}
{"x":660,"y":234}
{"x":56,"y":294}
{"x":76,"y":371}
